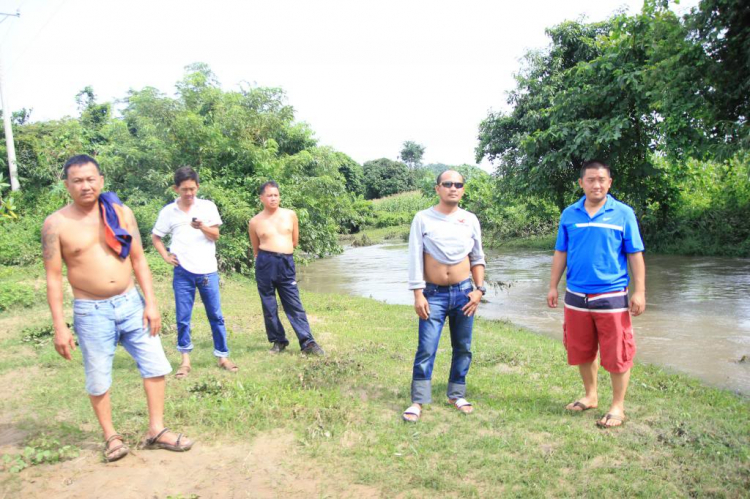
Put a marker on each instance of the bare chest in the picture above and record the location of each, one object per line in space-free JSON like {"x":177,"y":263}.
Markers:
{"x":273,"y":228}
{"x":82,"y":239}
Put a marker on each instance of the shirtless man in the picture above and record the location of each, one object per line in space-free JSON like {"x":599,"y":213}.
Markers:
{"x":274,"y":233}
{"x":445,"y":253}
{"x":107,"y":308}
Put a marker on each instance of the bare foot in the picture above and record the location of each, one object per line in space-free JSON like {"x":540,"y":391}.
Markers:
{"x":183,"y":371}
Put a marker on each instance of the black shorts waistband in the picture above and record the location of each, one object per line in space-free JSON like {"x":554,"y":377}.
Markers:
{"x":273,"y":253}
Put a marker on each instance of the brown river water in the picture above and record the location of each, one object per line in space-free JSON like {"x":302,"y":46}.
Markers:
{"x":697,"y":319}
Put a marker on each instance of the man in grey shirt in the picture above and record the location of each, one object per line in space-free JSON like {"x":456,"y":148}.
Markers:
{"x":445,"y":253}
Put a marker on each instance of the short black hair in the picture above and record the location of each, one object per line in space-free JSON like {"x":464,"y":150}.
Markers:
{"x":80,"y":160}
{"x":270,"y":183}
{"x":594,"y":164}
{"x":184,"y":173}
{"x":437,"y":181}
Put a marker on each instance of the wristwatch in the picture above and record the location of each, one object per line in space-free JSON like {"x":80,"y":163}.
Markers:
{"x":482,"y":289}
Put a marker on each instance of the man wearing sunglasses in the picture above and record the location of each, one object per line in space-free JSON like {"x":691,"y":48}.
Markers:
{"x":445,"y":253}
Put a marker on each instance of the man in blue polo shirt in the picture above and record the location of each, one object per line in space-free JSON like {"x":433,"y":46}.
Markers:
{"x":598,"y":237}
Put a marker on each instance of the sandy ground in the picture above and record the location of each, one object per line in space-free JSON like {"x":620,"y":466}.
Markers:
{"x":269,"y":467}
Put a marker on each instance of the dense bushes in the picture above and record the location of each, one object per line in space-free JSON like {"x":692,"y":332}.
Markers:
{"x":236,"y":140}
{"x":14,"y":293}
{"x":398,"y":209}
{"x":19,"y":241}
{"x":712,"y":215}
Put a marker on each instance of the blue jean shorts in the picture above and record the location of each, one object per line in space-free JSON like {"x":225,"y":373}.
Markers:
{"x":101,"y":324}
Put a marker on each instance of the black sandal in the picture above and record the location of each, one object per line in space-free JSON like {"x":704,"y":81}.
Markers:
{"x":111,"y":455}
{"x":153,"y":443}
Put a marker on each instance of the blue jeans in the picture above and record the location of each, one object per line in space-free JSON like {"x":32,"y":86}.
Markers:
{"x":184,"y":284}
{"x":101,"y":324}
{"x":276,"y":272}
{"x":445,"y":301}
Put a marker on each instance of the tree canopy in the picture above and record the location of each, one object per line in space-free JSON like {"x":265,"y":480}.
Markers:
{"x":235,"y":139}
{"x":384,"y":177}
{"x":630,"y":90}
{"x":412,"y":153}
{"x":652,"y":94}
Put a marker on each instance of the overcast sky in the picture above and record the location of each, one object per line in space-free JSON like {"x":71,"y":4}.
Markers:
{"x":366,"y":75}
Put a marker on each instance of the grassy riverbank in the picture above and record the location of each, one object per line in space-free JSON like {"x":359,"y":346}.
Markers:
{"x":373,"y":235}
{"x":342,"y":412}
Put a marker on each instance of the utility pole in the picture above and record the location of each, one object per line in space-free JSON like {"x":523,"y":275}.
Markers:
{"x":9,"y":145}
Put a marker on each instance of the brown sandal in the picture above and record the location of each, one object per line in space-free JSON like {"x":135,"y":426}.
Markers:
{"x":613,"y":417}
{"x":153,"y":443}
{"x":182,"y":372}
{"x":579,"y":406}
{"x":228,"y":365}
{"x":115,"y":453}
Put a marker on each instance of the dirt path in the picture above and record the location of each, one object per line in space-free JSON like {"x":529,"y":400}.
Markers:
{"x":269,"y":467}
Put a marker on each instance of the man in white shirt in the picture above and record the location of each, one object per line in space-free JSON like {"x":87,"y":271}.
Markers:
{"x":193,"y":224}
{"x":445,"y":254}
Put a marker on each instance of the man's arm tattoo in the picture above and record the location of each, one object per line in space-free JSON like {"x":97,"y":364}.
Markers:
{"x":136,"y":233}
{"x":49,"y":241}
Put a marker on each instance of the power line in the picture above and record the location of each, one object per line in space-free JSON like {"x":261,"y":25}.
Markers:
{"x":10,"y":27}
{"x":33,"y":39}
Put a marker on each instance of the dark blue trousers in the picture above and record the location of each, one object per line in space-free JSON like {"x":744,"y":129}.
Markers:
{"x":276,"y":272}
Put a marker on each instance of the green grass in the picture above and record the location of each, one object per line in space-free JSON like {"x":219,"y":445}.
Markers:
{"x":682,"y":439}
{"x":20,"y":287}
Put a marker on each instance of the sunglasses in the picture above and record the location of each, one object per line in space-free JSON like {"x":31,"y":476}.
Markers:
{"x":448,"y":184}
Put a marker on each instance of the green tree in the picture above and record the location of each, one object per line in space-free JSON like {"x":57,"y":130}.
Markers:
{"x":234,"y":139}
{"x":613,"y":90}
{"x":538,"y":146}
{"x":412,"y":153}
{"x":722,"y":28}
{"x":353,"y":174}
{"x":384,"y":177}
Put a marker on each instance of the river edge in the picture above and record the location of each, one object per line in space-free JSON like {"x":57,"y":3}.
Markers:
{"x":372,"y":235}
{"x":684,"y":329}
{"x":342,"y":412}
